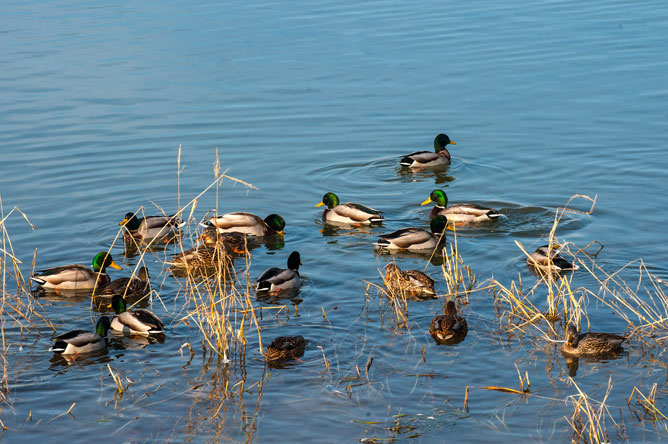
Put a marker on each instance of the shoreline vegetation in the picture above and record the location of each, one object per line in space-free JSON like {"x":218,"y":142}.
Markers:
{"x":221,"y":304}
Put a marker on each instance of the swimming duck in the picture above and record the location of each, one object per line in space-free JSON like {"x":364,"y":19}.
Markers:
{"x":548,"y":260}
{"x":285,"y":348}
{"x":347,"y":213}
{"x":462,"y":212}
{"x":439,"y":157}
{"x":414,"y":282}
{"x":277,"y":279}
{"x":82,"y":341}
{"x":232,"y":242}
{"x":150,"y":227}
{"x":217,"y":247}
{"x":448,"y":326}
{"x":138,"y":321}
{"x":247,"y":223}
{"x":589,"y":344}
{"x":415,"y":238}
{"x":77,"y":277}
{"x":130,"y":287}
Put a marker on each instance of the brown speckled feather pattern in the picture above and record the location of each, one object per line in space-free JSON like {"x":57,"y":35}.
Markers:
{"x":588,"y":344}
{"x":413,"y":282}
{"x":285,"y":348}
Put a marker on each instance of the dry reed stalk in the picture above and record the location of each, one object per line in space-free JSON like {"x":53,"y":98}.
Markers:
{"x":589,"y":416}
{"x":646,"y":409}
{"x":459,"y":279}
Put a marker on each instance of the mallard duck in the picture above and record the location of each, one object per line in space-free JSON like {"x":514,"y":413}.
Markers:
{"x":247,"y":223}
{"x":285,"y":348}
{"x":415,"y":238}
{"x":462,"y":212}
{"x":217,"y":248}
{"x":130,"y":287}
{"x":138,"y":321}
{"x":77,"y":277}
{"x":150,"y":227}
{"x":449,"y":325}
{"x":232,"y":242}
{"x":277,"y":279}
{"x":440,"y":156}
{"x":347,"y":213}
{"x":409,"y":281}
{"x":82,"y":341}
{"x":548,"y":260}
{"x":589,"y":344}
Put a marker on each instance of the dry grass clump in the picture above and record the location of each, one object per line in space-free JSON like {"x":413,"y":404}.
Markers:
{"x":516,"y":308}
{"x":589,"y":417}
{"x":18,"y":308}
{"x":643,"y":407}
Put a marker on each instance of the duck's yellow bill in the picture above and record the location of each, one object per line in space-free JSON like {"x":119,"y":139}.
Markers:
{"x":280,"y":232}
{"x":115,"y":265}
{"x":320,"y":204}
{"x":123,"y":222}
{"x":426,"y":201}
{"x":452,"y":143}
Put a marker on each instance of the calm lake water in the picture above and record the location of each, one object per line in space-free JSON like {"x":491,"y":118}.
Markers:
{"x":544,"y":100}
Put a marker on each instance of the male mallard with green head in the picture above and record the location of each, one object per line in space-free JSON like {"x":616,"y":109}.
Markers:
{"x":414,"y":283}
{"x":548,"y":260}
{"x":591,"y":344}
{"x":347,"y":213}
{"x":247,"y":223}
{"x":150,"y":227}
{"x":285,"y":348}
{"x":449,"y":325}
{"x":461,"y":212}
{"x":277,"y":279}
{"x":139,"y":321}
{"x":82,"y":341}
{"x":76,"y":276}
{"x":415,"y":239}
{"x":440,"y":155}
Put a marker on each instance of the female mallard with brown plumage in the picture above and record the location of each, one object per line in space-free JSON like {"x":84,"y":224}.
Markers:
{"x":138,"y":321}
{"x":448,"y":327}
{"x":347,"y":213}
{"x":145,"y":229}
{"x":591,"y":344}
{"x":285,"y":348}
{"x":415,"y":239}
{"x":217,"y":248}
{"x":462,"y":212}
{"x":130,"y":287}
{"x":548,"y":260}
{"x":247,"y":223}
{"x":413,"y":283}
{"x":76,"y":276}
{"x":440,"y":156}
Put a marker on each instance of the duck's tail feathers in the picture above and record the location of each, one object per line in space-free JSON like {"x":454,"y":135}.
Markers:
{"x":406,"y":161}
{"x":58,"y":347}
{"x":493,"y":214}
{"x":263,"y":286}
{"x":38,"y":280}
{"x":376,"y":219}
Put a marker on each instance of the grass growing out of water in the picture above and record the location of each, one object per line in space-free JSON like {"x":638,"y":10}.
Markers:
{"x":18,"y":308}
{"x":589,"y":417}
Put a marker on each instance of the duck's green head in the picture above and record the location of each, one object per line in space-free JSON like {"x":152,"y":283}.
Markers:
{"x":441,"y":141}
{"x":103,"y":260}
{"x":572,"y":335}
{"x":438,"y":225}
{"x":130,"y":221}
{"x":450,"y":309}
{"x":329,"y":199}
{"x":275,"y":222}
{"x":118,"y":304}
{"x":438,"y":197}
{"x":102,"y":326}
{"x":294,"y":261}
